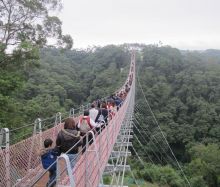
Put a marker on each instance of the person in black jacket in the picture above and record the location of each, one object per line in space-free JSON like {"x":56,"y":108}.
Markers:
{"x":103,"y":114}
{"x":102,"y":117}
{"x":68,"y":140}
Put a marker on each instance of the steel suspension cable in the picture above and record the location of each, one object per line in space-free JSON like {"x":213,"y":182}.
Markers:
{"x":156,"y":122}
{"x":132,"y":174}
{"x":153,"y":137}
{"x":149,"y":157}
{"x":147,"y":142}
{"x":144,"y":149}
{"x":139,"y":158}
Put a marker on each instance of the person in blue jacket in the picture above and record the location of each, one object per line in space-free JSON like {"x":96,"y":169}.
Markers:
{"x":48,"y":159}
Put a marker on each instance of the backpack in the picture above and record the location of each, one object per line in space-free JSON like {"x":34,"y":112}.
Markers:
{"x":85,"y":125}
{"x":48,"y":159}
{"x":101,"y":117}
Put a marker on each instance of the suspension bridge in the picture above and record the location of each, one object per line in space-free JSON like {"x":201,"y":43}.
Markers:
{"x":20,"y":163}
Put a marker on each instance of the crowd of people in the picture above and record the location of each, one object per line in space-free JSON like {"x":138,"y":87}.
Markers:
{"x":72,"y":139}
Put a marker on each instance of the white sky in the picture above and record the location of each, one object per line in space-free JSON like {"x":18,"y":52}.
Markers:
{"x":185,"y":24}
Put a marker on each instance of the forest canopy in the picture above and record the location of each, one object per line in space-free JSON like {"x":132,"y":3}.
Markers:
{"x":183,"y":90}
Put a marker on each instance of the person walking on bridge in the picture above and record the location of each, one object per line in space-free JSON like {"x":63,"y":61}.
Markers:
{"x":93,"y":112}
{"x":68,"y":140}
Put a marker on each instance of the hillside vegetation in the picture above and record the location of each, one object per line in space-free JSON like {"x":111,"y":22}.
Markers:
{"x":182,"y":88}
{"x":60,"y":80}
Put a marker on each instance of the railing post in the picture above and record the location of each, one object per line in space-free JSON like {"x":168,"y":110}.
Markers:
{"x":69,"y":169}
{"x":82,"y":109}
{"x":87,"y":106}
{"x":37,"y":126}
{"x":4,"y":143}
{"x":37,"y":130}
{"x":72,"y":112}
{"x":58,"y":118}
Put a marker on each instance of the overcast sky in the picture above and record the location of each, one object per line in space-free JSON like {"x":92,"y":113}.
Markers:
{"x":185,"y":24}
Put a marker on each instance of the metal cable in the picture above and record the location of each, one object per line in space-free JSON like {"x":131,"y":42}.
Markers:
{"x":153,"y":137}
{"x":156,"y":122}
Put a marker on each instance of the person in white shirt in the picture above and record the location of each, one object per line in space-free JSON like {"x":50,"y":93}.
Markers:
{"x":93,"y":112}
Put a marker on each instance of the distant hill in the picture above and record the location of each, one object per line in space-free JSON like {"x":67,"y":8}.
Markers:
{"x":213,"y":52}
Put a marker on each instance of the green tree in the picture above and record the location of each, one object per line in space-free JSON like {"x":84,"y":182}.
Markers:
{"x":206,"y":163}
{"x":26,"y":24}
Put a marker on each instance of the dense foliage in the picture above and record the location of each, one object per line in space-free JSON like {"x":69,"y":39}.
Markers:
{"x":60,"y":81}
{"x":26,"y":25}
{"x":183,"y":90}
